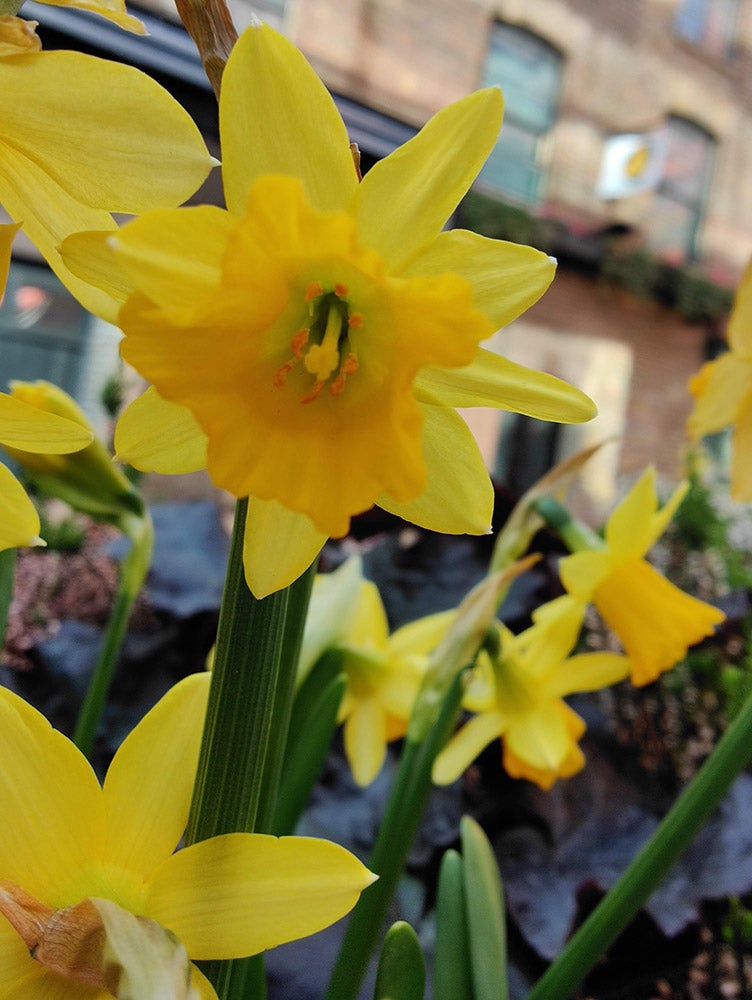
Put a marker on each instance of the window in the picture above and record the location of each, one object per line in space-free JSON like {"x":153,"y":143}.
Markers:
{"x":709,"y":24}
{"x":528,"y":71}
{"x":678,"y":203}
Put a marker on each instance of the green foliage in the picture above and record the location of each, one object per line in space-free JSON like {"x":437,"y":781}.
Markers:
{"x":402,"y":971}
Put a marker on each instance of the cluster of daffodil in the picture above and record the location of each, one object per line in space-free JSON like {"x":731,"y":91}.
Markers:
{"x":309,"y":346}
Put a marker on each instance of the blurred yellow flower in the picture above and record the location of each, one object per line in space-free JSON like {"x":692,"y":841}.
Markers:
{"x":71,"y":841}
{"x":26,"y":429}
{"x":723,"y":392}
{"x":655,"y":621}
{"x":86,"y":479}
{"x":383,"y":671}
{"x":517,"y":694}
{"x":82,"y":137}
{"x":349,"y":323}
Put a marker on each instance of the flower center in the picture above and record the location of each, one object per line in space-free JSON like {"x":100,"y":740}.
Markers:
{"x":324,"y":346}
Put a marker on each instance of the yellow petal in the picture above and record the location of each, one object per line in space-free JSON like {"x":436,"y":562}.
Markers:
{"x":406,"y":198}
{"x":587,"y":672}
{"x":147,"y":791}
{"x":174,"y":256}
{"x":19,"y":521}
{"x":422,"y":635}
{"x":491,"y":380}
{"x":278,"y":547}
{"x":635,"y":524}
{"x":547,"y":748}
{"x":29,"y":428}
{"x":91,"y":257}
{"x":201,"y":984}
{"x":506,"y":278}
{"x":239,"y":894}
{"x":56,"y":178}
{"x":720,"y":388}
{"x":655,"y":621}
{"x":333,"y":602}
{"x":365,"y":740}
{"x":269,"y":90}
{"x":85,"y":98}
{"x":113,"y":10}
{"x":53,"y":796}
{"x":466,"y":744}
{"x":582,"y":572}
{"x":740,"y":322}
{"x":16,"y":965}
{"x":7,"y":232}
{"x":542,"y":738}
{"x":458,"y":497}
{"x":741,"y":461}
{"x":154,"y":435}
{"x":367,"y":626}
{"x":17,"y":36}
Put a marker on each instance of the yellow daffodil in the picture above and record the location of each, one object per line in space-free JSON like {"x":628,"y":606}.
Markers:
{"x":82,"y":137}
{"x":321,"y":332}
{"x":517,"y":695}
{"x":71,"y":841}
{"x":655,"y":621}
{"x":26,"y":429}
{"x":383,"y":671}
{"x":87,"y":479}
{"x":723,"y":392}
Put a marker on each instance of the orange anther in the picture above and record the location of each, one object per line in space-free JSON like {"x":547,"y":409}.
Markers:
{"x":355,"y":320}
{"x":314,"y":290}
{"x":350,"y":364}
{"x":341,"y":291}
{"x":280,"y":376}
{"x":299,"y":341}
{"x":314,"y":393}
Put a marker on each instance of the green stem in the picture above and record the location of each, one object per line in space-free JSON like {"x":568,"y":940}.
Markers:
{"x":245,"y":733}
{"x":577,"y":537}
{"x":133,"y":572}
{"x":7,"y":574}
{"x":397,"y":832}
{"x":677,"y":830}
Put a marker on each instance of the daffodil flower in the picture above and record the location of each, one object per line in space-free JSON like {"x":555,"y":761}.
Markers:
{"x":26,"y":429}
{"x":723,"y":392}
{"x":71,"y":841}
{"x":87,"y":479}
{"x":383,"y":671}
{"x":517,"y":695}
{"x":321,"y":332}
{"x":655,"y":621}
{"x":82,"y":137}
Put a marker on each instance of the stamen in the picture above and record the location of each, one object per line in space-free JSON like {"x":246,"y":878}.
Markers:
{"x":341,"y":291}
{"x":280,"y":376}
{"x":355,"y":321}
{"x":315,"y":392}
{"x":314,"y":291}
{"x":349,"y":367}
{"x":299,"y":341}
{"x":322,"y":359}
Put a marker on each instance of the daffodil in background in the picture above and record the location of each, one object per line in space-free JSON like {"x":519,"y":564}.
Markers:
{"x":349,"y":322}
{"x":82,"y":137}
{"x":26,"y":429}
{"x":71,"y":841}
{"x":654,"y":620}
{"x":516,"y":693}
{"x":723,"y":392}
{"x":383,"y":671}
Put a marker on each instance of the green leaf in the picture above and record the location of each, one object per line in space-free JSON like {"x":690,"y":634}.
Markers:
{"x":7,"y":574}
{"x":452,"y":979}
{"x":307,"y":747}
{"x":402,"y":971}
{"x":485,"y":914}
